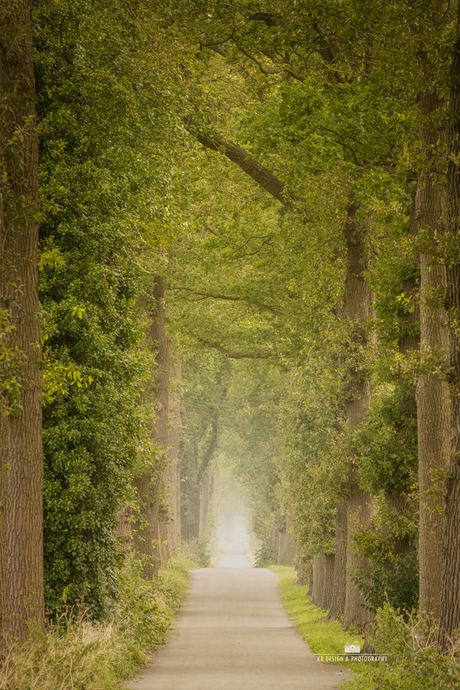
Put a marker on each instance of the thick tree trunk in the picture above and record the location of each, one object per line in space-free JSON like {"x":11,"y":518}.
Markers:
{"x":18,"y":252}
{"x":433,"y":406}
{"x":359,"y":515}
{"x":143,"y":533}
{"x":319,"y":580}
{"x":147,"y":534}
{"x":357,"y":311}
{"x":329,"y":567}
{"x":450,"y":597}
{"x":4,"y":578}
{"x":337,"y":606}
{"x":172,"y":469}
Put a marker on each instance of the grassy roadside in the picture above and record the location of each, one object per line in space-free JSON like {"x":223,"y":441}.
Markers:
{"x":323,"y":636}
{"x":80,"y":654}
{"x":414,"y":662}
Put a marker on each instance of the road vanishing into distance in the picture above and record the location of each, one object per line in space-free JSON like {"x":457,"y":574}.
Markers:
{"x":234,"y":634}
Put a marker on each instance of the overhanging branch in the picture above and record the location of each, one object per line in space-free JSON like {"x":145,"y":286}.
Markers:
{"x":235,"y":355}
{"x":244,"y":160}
{"x":229,"y":298}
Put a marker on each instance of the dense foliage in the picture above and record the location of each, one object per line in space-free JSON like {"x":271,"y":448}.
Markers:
{"x":103,"y":172}
{"x":266,"y":160}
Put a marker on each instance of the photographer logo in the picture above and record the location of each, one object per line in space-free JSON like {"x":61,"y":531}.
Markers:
{"x":353,"y":648}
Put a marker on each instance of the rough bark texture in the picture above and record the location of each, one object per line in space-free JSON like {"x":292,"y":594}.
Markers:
{"x":329,"y":567}
{"x":357,"y":311}
{"x":4,"y":579}
{"x":172,"y":478}
{"x":18,"y":251}
{"x":319,"y":580}
{"x":450,"y":597}
{"x":337,"y":605}
{"x":147,"y":537}
{"x":433,"y":407}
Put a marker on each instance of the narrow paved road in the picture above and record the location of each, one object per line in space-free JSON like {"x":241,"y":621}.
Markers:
{"x":234,"y":634}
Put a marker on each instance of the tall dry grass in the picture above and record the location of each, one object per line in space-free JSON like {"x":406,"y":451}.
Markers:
{"x":77,"y":653}
{"x":80,"y":655}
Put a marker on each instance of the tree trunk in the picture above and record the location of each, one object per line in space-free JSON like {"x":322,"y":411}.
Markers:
{"x":4,"y":578}
{"x":359,"y":515}
{"x":204,"y":504}
{"x":356,"y":310}
{"x":143,"y":533}
{"x":340,"y":563}
{"x":212,"y":507}
{"x":160,"y":432}
{"x":319,"y":580}
{"x":179,"y":495}
{"x":147,"y":536}
{"x":190,"y":506}
{"x":172,"y":469}
{"x":19,"y":279}
{"x":450,"y":597}
{"x":329,"y":567}
{"x":433,"y":406}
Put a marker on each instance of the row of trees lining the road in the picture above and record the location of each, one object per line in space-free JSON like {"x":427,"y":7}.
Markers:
{"x":258,"y":204}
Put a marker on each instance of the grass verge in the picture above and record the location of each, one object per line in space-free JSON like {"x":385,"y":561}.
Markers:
{"x":323,"y":636}
{"x":414,"y":662}
{"x":76,"y":653}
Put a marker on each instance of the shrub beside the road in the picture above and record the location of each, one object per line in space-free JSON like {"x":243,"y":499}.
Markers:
{"x":198,"y":551}
{"x":414,"y":663}
{"x":264,"y":557}
{"x":76,"y":653}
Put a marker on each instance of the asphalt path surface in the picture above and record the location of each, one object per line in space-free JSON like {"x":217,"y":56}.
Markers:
{"x":234,"y":634}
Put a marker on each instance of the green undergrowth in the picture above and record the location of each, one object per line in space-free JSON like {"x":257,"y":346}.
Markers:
{"x":415,"y":663}
{"x":77,"y":653}
{"x":323,"y":636}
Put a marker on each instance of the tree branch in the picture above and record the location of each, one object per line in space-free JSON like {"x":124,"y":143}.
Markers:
{"x":243,"y":159}
{"x":230,"y":298}
{"x":235,"y":355}
{"x":268,"y":19}
{"x":272,"y":70}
